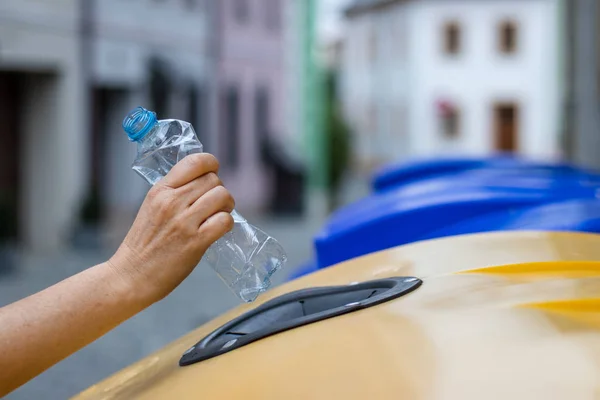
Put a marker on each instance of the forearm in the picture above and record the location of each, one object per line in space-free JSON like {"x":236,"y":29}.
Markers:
{"x":41,"y":330}
{"x":180,"y":218}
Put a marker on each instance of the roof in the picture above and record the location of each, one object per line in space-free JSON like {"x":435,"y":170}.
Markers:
{"x":360,"y":6}
{"x":357,"y":7}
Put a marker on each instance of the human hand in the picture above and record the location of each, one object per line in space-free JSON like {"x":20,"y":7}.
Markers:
{"x":182,"y":215}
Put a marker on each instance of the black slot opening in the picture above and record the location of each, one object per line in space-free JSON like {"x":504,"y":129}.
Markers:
{"x":296,"y":309}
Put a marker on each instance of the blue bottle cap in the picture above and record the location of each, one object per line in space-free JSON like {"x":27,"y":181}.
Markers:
{"x":138,"y":123}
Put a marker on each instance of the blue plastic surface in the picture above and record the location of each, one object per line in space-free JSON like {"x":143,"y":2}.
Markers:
{"x":571,"y":184}
{"x":397,"y":175}
{"x":394,"y":223}
{"x":405,"y":172}
{"x":579,"y":215}
{"x":420,"y":209}
{"x":444,"y":197}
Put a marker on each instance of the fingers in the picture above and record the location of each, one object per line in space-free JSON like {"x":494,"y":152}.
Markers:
{"x":189,"y":169}
{"x":214,"y":201}
{"x":197,"y":188}
{"x":215,"y":227}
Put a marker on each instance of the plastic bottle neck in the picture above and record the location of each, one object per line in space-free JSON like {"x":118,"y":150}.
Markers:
{"x":139,"y":123}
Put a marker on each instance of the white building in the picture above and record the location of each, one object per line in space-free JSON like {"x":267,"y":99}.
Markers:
{"x":69,"y":72}
{"x":582,"y":82}
{"x":452,"y":76}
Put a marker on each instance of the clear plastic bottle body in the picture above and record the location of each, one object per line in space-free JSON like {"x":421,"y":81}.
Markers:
{"x":245,"y":258}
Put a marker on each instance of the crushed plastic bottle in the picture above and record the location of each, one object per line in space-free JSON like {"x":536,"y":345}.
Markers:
{"x":245,"y":258}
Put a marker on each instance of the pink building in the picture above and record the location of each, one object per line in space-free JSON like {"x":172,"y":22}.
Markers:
{"x":248,"y":48}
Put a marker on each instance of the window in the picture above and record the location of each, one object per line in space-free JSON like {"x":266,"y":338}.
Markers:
{"x":193,"y":4}
{"x":451,"y":124}
{"x":452,"y":38}
{"x":197,"y":113}
{"x":192,"y":102}
{"x":261,"y":114}
{"x":507,"y":37}
{"x":399,"y":119}
{"x":262,"y":121}
{"x":597,"y":40}
{"x":372,"y":122}
{"x":231,"y":127}
{"x":400,"y":32}
{"x":241,"y":10}
{"x":160,"y":86}
{"x":273,"y":14}
{"x":450,"y":119}
{"x":372,"y":46}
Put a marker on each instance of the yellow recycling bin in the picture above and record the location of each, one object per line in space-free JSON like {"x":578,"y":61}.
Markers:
{"x":512,"y":315}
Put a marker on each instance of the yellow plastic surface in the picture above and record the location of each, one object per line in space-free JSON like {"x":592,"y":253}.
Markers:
{"x":499,"y":316}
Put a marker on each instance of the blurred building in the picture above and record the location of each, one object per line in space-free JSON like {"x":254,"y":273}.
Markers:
{"x":374,"y":79}
{"x":305,"y":116}
{"x":430,"y":77}
{"x":249,"y":37}
{"x":582,"y":81}
{"x":69,"y":72}
{"x":44,"y":152}
{"x":141,"y":52}
{"x":240,"y":70}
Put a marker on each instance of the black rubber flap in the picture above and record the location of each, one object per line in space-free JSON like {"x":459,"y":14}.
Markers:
{"x":296,"y":309}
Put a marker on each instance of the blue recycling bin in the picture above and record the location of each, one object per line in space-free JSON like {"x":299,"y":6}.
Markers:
{"x":576,"y":215}
{"x":567,"y":180}
{"x":397,"y":175}
{"x":420,"y":209}
{"x":445,"y":197}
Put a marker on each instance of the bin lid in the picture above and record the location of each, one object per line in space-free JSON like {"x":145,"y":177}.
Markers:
{"x":391,"y":219}
{"x":577,"y":215}
{"x":499,"y":315}
{"x":394,"y":176}
{"x":401,"y":173}
{"x":423,"y":209}
{"x":568,"y":184}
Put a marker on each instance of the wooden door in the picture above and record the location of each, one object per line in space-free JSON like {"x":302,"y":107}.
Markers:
{"x":506,"y":124}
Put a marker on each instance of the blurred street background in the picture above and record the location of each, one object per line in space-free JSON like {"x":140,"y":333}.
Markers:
{"x":301,"y":100}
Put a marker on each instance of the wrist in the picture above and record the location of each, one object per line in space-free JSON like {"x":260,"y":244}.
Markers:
{"x":127,"y":274}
